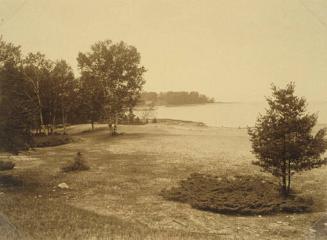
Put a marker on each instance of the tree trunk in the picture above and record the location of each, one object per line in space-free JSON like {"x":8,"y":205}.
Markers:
{"x":284,"y":188}
{"x":37,"y":91}
{"x":63,"y":118}
{"x":284,"y":177}
{"x":289,"y":177}
{"x":284,"y":174}
{"x":92,"y":125}
{"x":53,"y":122}
{"x":42,"y":127}
{"x":115,"y":125}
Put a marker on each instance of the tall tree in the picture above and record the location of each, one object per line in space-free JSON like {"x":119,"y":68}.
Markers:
{"x":15,"y":113}
{"x":36,"y":69}
{"x":92,"y":99}
{"x":282,"y":139}
{"x":65,"y":90}
{"x":116,"y":70}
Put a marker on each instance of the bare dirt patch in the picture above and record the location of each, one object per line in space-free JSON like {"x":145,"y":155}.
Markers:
{"x":246,"y":195}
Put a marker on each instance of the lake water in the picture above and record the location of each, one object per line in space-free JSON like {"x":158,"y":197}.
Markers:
{"x":227,"y":114}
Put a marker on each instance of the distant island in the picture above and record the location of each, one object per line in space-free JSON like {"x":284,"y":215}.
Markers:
{"x":174,"y":98}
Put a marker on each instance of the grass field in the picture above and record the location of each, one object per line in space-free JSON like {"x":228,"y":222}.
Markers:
{"x":119,"y":197}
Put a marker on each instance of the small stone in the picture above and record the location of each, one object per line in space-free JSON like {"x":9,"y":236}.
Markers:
{"x":63,"y":186}
{"x":259,"y":216}
{"x":325,"y":224}
{"x":279,"y":222}
{"x":312,"y":230}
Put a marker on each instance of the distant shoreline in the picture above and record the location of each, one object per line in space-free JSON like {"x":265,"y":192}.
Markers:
{"x":184,"y":105}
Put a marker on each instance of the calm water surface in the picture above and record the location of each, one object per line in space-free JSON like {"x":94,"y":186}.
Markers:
{"x":227,"y":114}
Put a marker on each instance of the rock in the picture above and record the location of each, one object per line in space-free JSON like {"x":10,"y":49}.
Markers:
{"x":63,"y":186}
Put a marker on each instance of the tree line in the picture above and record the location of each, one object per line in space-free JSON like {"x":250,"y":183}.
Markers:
{"x":37,"y":95}
{"x":174,"y":98}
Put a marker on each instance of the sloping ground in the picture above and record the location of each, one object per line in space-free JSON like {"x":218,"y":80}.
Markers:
{"x":119,"y":197}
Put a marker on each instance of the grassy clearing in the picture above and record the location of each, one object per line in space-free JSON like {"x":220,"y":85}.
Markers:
{"x":119,"y":197}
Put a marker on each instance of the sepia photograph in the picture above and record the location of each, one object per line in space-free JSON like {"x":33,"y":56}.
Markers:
{"x":163,"y":120}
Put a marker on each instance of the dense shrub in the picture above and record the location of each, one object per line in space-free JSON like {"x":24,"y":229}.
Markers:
{"x":246,"y":195}
{"x":79,"y":164}
{"x":6,"y":165}
{"x":51,"y":140}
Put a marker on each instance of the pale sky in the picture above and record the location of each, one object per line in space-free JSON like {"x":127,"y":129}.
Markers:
{"x":228,"y":49}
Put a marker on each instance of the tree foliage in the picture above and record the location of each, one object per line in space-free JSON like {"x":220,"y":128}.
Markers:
{"x":15,"y":113}
{"x":175,"y":98}
{"x":116,"y":76}
{"x":282,"y":139}
{"x":37,"y":94}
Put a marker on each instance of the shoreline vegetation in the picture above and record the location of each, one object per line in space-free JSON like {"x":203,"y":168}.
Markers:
{"x":171,"y":98}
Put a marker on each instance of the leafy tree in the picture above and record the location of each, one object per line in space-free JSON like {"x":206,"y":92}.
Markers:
{"x":16,"y":116}
{"x":117,"y":74}
{"x":92,"y":99}
{"x":282,"y":139}
{"x":36,"y":69}
{"x":64,"y":90}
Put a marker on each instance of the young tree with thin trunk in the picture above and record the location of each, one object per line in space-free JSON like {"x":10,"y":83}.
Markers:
{"x":282,"y":139}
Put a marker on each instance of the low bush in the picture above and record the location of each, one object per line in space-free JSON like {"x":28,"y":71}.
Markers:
{"x":6,"y":165}
{"x":51,"y":140}
{"x":246,"y":195}
{"x":78,"y":164}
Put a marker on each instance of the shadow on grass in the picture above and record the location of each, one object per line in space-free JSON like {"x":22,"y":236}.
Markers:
{"x":10,"y":181}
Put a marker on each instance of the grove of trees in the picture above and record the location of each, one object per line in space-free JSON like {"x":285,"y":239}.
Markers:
{"x":112,"y":72}
{"x":37,"y":94}
{"x":174,"y":98}
{"x":283,"y":140}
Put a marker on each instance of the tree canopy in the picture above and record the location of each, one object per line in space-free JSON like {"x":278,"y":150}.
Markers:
{"x":15,"y":113}
{"x":116,"y":74}
{"x":283,"y":140}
